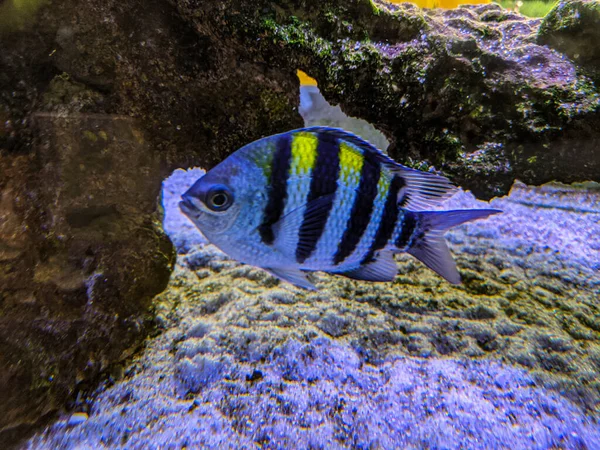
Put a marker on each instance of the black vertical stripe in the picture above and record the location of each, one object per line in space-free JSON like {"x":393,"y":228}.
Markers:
{"x":323,"y":183}
{"x":277,"y":190}
{"x":409,"y":222}
{"x":361,"y":209}
{"x":388,"y":220}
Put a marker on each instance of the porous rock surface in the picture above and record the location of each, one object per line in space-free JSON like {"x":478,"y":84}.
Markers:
{"x":481,"y":93}
{"x":529,"y":294}
{"x":572,"y":28}
{"x":509,"y":359}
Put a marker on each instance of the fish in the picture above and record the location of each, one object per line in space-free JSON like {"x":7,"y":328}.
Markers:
{"x":324,"y":199}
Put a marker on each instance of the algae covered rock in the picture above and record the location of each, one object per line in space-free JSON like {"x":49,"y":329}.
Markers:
{"x":573,"y":28}
{"x":470,"y":91}
{"x":82,"y":255}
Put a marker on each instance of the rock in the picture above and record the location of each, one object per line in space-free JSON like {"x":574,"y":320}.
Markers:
{"x":470,"y":91}
{"x":77,"y":419}
{"x":571,"y":28}
{"x":199,"y":372}
{"x":308,"y":390}
{"x":553,"y":252}
{"x":82,"y":255}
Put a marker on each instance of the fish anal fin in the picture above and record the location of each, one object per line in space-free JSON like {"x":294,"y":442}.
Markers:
{"x":293,"y":276}
{"x":382,"y":268}
{"x":434,"y":253}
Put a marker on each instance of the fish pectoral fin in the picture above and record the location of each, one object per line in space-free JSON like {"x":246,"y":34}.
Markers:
{"x":293,"y":276}
{"x":286,"y":230}
{"x":382,"y":268}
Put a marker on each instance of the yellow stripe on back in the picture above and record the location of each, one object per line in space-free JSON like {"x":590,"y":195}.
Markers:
{"x":383,"y":184}
{"x":351,"y":162}
{"x":303,"y":159}
{"x":304,"y":154}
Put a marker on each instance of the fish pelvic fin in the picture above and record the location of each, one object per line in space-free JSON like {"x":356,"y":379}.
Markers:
{"x":294,"y":276}
{"x":429,"y":245}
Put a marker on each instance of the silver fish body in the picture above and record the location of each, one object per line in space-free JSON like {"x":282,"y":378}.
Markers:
{"x":324,"y":199}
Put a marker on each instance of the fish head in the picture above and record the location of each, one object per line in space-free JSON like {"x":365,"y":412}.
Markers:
{"x":221,"y":202}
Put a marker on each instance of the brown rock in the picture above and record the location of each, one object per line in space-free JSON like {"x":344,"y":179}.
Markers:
{"x":99,"y":101}
{"x":82,"y":254}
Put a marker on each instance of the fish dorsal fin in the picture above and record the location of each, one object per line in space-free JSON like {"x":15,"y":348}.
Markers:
{"x":286,"y":229}
{"x":421,"y":189}
{"x":293,"y":276}
{"x":382,"y":268}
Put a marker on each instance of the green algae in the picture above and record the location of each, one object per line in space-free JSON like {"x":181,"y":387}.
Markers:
{"x":530,"y":8}
{"x":570,"y":27}
{"x":66,"y":94}
{"x":18,"y":15}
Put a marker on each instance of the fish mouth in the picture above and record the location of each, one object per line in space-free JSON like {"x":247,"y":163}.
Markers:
{"x":187,"y":207}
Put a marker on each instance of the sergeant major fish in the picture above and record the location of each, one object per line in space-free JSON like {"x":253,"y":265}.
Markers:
{"x":324,"y":199}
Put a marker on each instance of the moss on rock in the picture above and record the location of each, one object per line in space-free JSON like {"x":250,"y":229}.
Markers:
{"x":573,"y":28}
{"x":468,"y":91}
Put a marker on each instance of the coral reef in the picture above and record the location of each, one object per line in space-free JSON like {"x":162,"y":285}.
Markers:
{"x":509,"y":359}
{"x":99,"y":100}
{"x":470,"y":91}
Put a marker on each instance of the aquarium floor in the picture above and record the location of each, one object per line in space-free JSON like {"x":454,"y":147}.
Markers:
{"x":508,"y":359}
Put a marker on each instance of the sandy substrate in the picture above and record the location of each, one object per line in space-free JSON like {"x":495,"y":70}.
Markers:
{"x":510,"y":359}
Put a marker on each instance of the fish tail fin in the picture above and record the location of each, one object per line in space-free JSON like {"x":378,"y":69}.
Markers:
{"x":430,"y":247}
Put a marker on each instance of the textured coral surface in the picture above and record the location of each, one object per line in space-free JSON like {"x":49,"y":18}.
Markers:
{"x":509,"y":358}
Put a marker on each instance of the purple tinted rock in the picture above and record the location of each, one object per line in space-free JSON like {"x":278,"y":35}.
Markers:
{"x":252,"y":366}
{"x":333,"y":401}
{"x":182,"y":232}
{"x":571,"y":27}
{"x":549,"y":222}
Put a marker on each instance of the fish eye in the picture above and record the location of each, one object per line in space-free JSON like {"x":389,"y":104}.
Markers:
{"x":219,"y":198}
